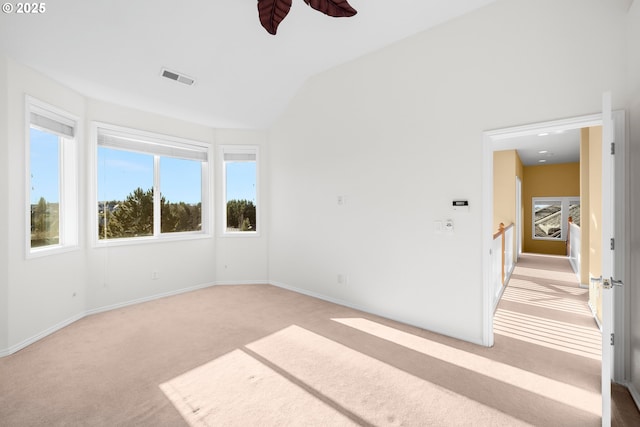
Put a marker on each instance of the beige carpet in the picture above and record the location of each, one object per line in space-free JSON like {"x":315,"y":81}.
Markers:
{"x":259,"y":355}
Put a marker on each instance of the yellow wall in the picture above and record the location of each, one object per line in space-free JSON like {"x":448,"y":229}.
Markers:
{"x":561,"y":180}
{"x":594,"y":254}
{"x":520,"y":174}
{"x":506,"y":166}
{"x":585,"y":205}
{"x":504,"y":188}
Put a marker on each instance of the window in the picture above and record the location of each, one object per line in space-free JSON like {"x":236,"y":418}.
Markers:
{"x":52,"y":179}
{"x":149,"y":186}
{"x":551,"y":216}
{"x":240,"y":189}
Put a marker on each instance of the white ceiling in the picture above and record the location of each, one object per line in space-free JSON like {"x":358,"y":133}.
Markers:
{"x":553,"y":147}
{"x":113,"y":50}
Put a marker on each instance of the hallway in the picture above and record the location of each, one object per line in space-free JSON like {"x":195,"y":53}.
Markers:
{"x":544,"y":320}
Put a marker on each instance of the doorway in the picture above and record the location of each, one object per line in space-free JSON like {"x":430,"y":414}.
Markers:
{"x":503,"y":139}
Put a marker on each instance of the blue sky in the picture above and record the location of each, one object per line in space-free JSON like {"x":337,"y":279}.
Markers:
{"x":241,"y":181}
{"x":44,"y":167}
{"x":120,"y":172}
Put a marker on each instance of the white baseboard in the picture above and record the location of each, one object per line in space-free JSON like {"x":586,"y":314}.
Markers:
{"x":314,"y":294}
{"x":595,"y":315}
{"x":40,"y":335}
{"x":52,"y":329}
{"x":364,"y":309}
{"x":75,"y":318}
{"x":146,"y":299}
{"x":634,"y":393}
{"x":241,"y":282}
{"x":574,"y":267}
{"x":498,"y":296}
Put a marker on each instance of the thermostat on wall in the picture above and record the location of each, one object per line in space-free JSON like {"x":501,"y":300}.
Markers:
{"x":460,"y":205}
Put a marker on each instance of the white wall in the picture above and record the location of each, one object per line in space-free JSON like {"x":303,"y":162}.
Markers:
{"x":39,"y":295}
{"x":42,"y":292}
{"x":120,"y":274}
{"x":4,"y":207}
{"x":399,"y":132}
{"x":633,"y":39}
{"x":243,"y":259}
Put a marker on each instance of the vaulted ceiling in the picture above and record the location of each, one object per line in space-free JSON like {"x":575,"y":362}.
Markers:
{"x":244,"y":77}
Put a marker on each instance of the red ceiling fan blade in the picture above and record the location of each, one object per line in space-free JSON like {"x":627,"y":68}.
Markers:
{"x":272,"y":12}
{"x":335,"y":8}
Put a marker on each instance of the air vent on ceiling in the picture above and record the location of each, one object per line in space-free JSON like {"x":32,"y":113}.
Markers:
{"x":177,"y":77}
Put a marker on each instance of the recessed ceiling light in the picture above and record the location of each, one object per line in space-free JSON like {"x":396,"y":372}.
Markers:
{"x":543,"y":134}
{"x":541,"y":161}
{"x":543,"y":152}
{"x":559,"y":131}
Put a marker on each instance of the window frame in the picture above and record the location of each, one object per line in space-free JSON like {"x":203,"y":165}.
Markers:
{"x":160,"y":140}
{"x":68,"y":175}
{"x":565,"y":202}
{"x":238,"y":149}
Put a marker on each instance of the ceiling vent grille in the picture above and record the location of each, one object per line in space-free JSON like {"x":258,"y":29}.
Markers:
{"x":177,"y":77}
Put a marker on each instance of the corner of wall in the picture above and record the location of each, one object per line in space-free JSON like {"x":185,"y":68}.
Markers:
{"x":40,"y":292}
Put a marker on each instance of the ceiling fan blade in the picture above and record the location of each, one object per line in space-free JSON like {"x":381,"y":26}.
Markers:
{"x":335,"y":8}
{"x":272,"y":12}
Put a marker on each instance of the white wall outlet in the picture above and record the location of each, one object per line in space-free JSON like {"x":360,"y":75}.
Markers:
{"x":342,"y":279}
{"x":341,"y":200}
{"x":155,"y":275}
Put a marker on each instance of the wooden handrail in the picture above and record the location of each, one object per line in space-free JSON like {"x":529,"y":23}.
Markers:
{"x":502,"y":229}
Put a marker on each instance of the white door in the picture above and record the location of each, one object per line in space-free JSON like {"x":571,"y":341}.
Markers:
{"x":608,"y":254}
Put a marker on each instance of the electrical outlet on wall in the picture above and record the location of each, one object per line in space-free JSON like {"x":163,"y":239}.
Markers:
{"x":155,"y":275}
{"x":448,"y":226}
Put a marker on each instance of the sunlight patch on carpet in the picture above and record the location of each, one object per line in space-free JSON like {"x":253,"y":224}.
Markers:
{"x":546,"y":387}
{"x":237,"y":390}
{"x":517,"y":292}
{"x":569,"y":277}
{"x":548,"y":286}
{"x":377,"y":392}
{"x":563,"y":336}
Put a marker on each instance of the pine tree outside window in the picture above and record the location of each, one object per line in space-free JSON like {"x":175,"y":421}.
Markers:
{"x":149,"y":186}
{"x":240,"y":185}
{"x":51,"y":153}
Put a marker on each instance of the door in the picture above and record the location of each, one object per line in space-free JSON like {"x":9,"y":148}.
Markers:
{"x":609,"y":281}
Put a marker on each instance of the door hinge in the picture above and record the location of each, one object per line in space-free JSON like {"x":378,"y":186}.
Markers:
{"x":612,"y":339}
{"x":613,"y":244}
{"x":613,"y":148}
